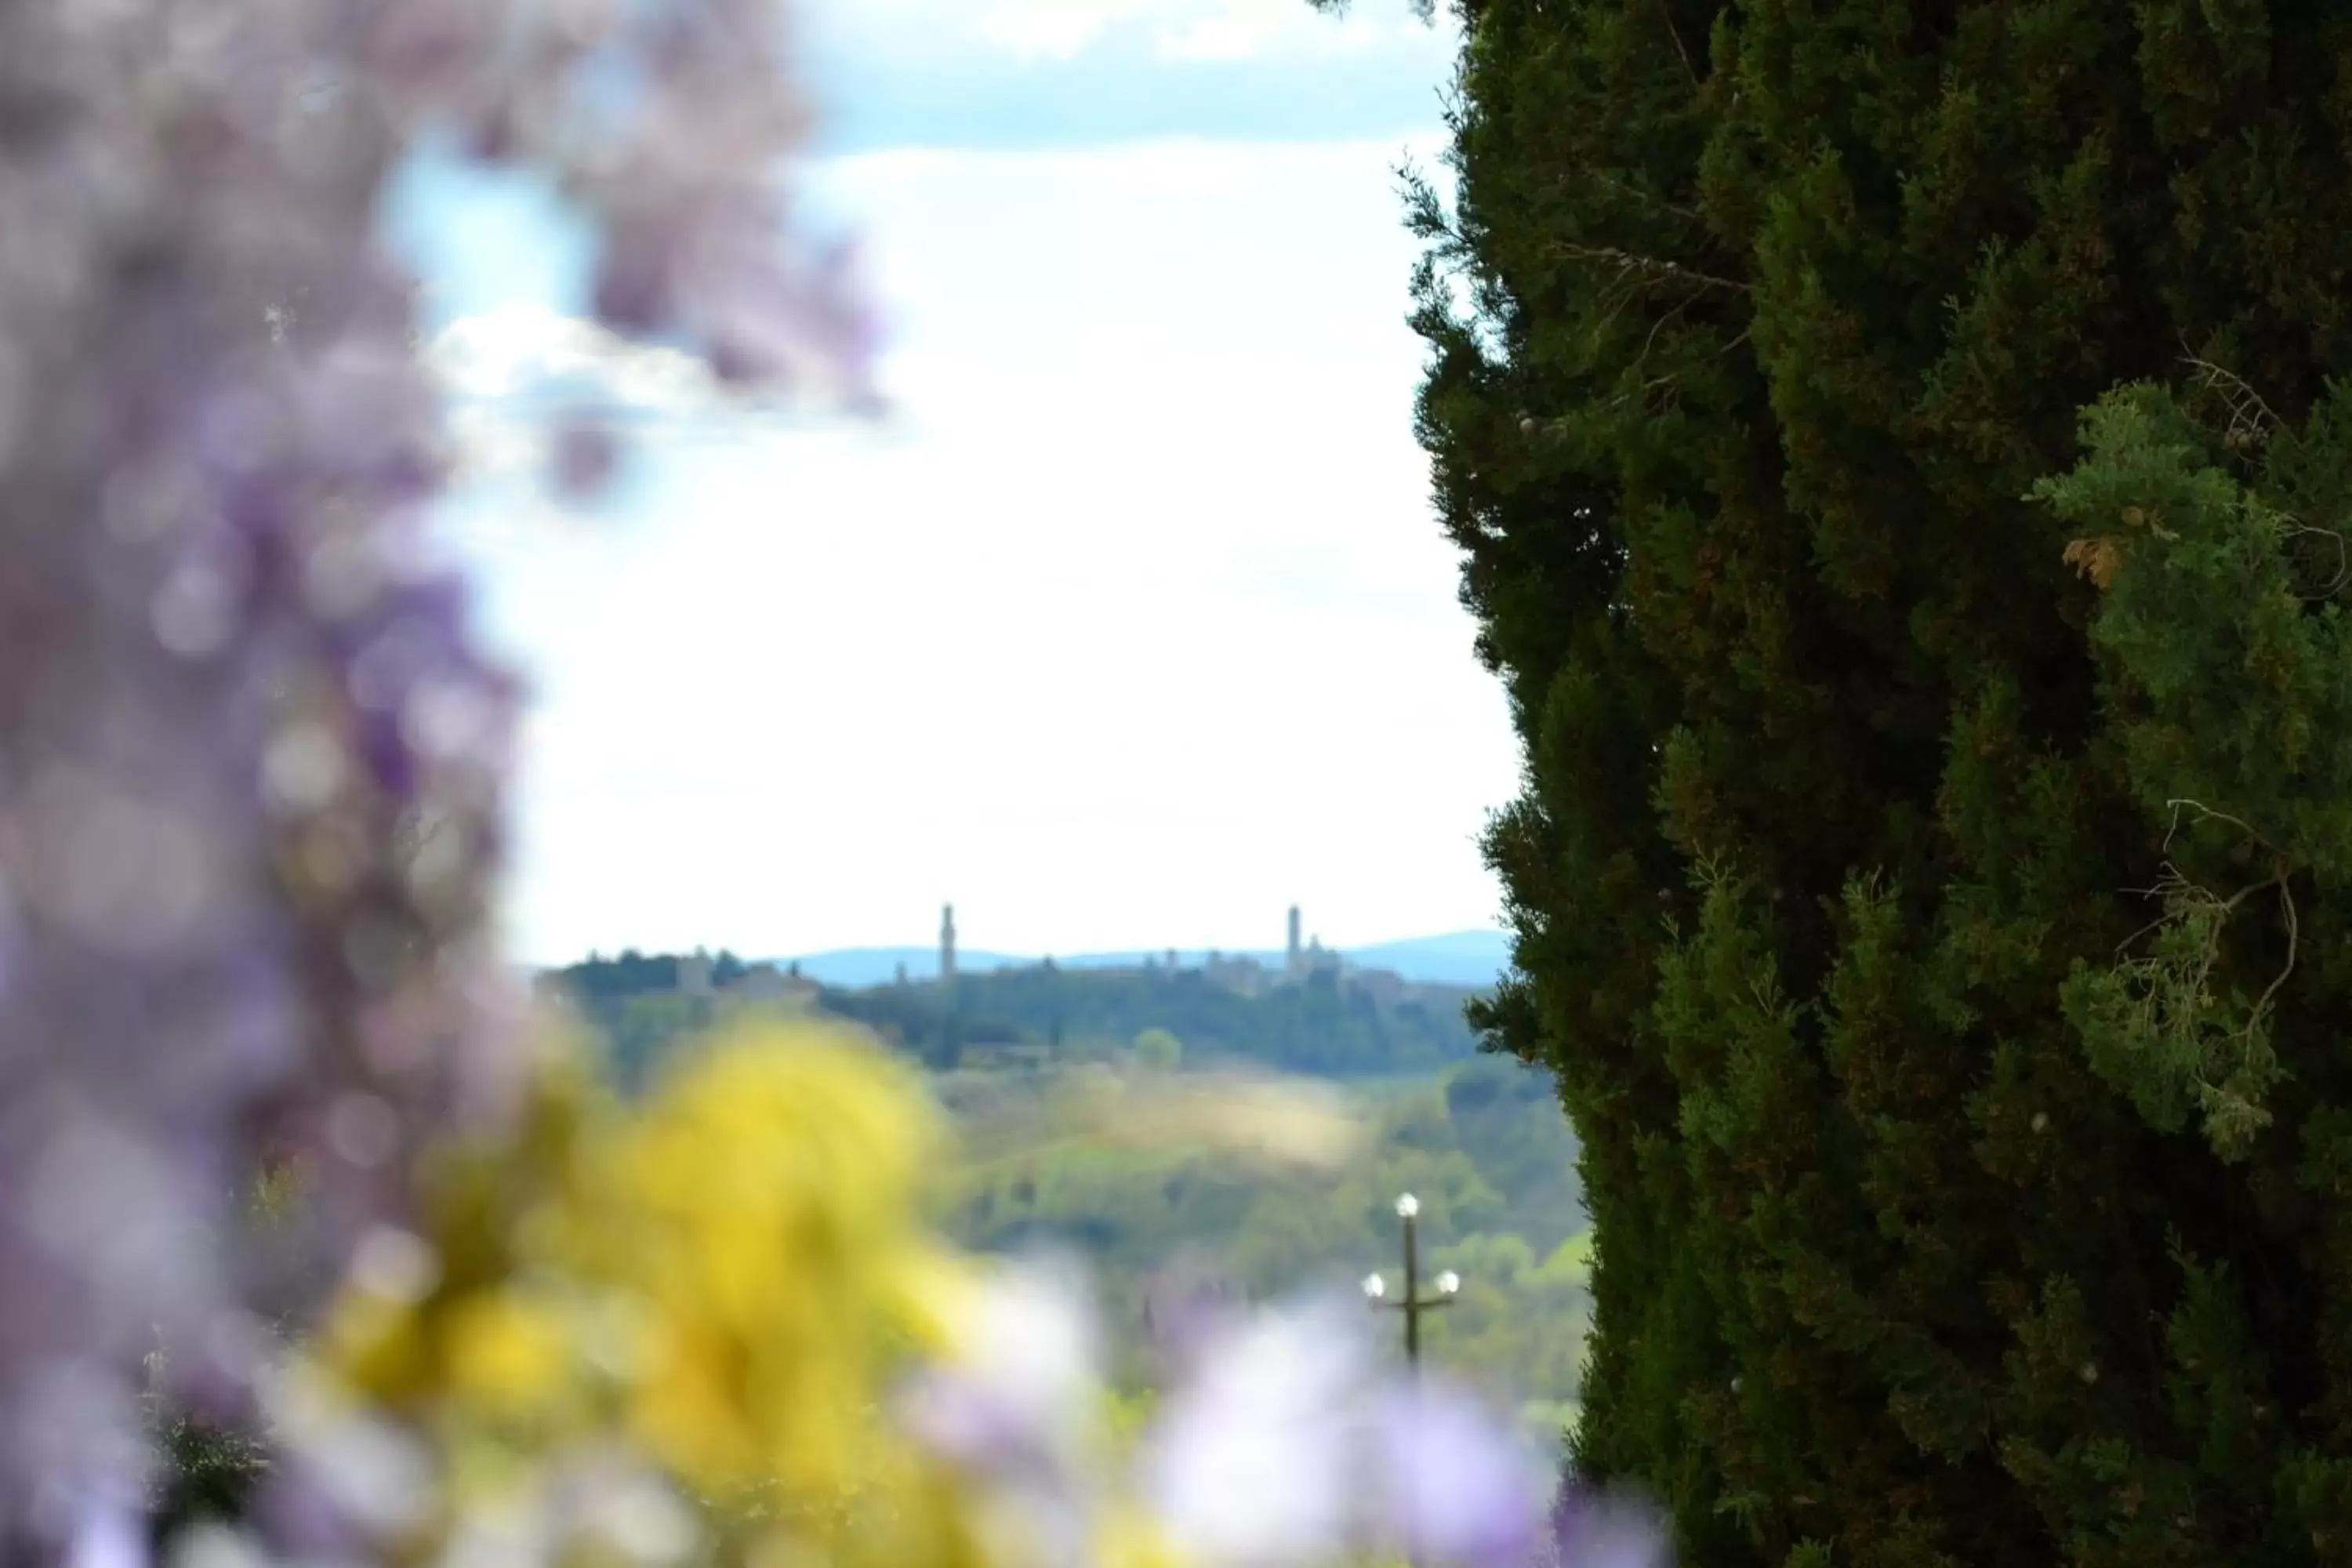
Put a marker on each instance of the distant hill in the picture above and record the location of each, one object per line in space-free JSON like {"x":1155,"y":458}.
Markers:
{"x":1473,"y":960}
{"x":1323,"y":1021}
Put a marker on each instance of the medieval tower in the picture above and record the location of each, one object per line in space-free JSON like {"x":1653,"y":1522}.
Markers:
{"x":947,"y":943}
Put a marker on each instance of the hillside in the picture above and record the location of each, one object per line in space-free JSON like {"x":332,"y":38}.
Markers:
{"x":1484,"y":1148}
{"x":1479,"y":1140}
{"x":1330,"y":1023}
{"x":1325,"y":1024}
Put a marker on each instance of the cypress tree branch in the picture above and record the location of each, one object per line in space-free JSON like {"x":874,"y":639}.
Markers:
{"x":1628,"y":263}
{"x":2251,"y":419}
{"x":1666,"y":14}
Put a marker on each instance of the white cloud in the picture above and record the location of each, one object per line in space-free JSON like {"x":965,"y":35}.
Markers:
{"x":512,"y":373}
{"x":1261,"y":30}
{"x":1131,"y":630}
{"x":1054,"y":30}
{"x":525,"y":350}
{"x":1184,"y":30}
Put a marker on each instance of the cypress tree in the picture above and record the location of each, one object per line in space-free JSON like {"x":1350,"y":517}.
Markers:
{"x":1897,"y":476}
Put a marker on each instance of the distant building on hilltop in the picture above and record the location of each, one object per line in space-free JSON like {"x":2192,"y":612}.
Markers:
{"x":1301,"y":962}
{"x":947,"y":943}
{"x":761,"y":985}
{"x":1242,"y":977}
{"x":1246,"y":976}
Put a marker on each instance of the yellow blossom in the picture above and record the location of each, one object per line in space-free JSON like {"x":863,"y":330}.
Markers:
{"x":1129,"y":1538}
{"x":511,"y":1354}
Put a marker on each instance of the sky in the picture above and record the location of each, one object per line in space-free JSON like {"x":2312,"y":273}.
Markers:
{"x":1128,"y":628}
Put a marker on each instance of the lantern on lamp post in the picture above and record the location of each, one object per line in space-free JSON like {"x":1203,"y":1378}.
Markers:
{"x":1412,"y":1303}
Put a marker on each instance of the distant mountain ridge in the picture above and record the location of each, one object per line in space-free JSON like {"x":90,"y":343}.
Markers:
{"x":1473,"y":960}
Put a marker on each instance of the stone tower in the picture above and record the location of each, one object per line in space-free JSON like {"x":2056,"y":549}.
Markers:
{"x":1295,"y":957}
{"x":947,"y":941}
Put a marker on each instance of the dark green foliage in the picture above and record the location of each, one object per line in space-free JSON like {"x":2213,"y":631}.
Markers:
{"x":2241,"y":738}
{"x":629,"y":973}
{"x":1321,"y":1026}
{"x":1940,"y":1220}
{"x":636,"y":1031}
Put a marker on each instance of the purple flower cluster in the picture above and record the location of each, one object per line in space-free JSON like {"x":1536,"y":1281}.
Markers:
{"x":1292,"y":1438}
{"x":1615,"y":1529}
{"x":1285,"y":1441}
{"x":250,"y":756}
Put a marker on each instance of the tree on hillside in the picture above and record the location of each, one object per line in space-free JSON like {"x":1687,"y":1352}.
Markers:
{"x":1158,"y":1050}
{"x":1944,"y":1215}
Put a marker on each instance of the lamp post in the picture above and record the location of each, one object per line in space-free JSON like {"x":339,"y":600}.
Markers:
{"x":1412,"y":1304}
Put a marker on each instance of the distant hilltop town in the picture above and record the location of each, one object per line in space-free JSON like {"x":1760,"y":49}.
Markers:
{"x":1302,"y":1008}
{"x":701,"y":976}
{"x":1243,"y":975}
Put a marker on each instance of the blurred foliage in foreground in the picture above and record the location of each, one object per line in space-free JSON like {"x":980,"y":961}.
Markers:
{"x":718,"y":1323}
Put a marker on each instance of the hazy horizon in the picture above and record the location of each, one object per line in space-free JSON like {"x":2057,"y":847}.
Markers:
{"x":1469,"y":958}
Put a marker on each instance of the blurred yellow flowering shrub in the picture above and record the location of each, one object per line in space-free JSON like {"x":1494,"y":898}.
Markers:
{"x":724,"y":1281}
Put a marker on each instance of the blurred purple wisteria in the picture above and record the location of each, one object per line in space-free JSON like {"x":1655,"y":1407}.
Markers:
{"x":1283,"y":1442}
{"x":1286,"y":1439}
{"x":252,"y":764}
{"x":250,"y":757}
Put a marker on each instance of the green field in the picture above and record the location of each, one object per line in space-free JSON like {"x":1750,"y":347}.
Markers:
{"x":1484,"y":1148}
